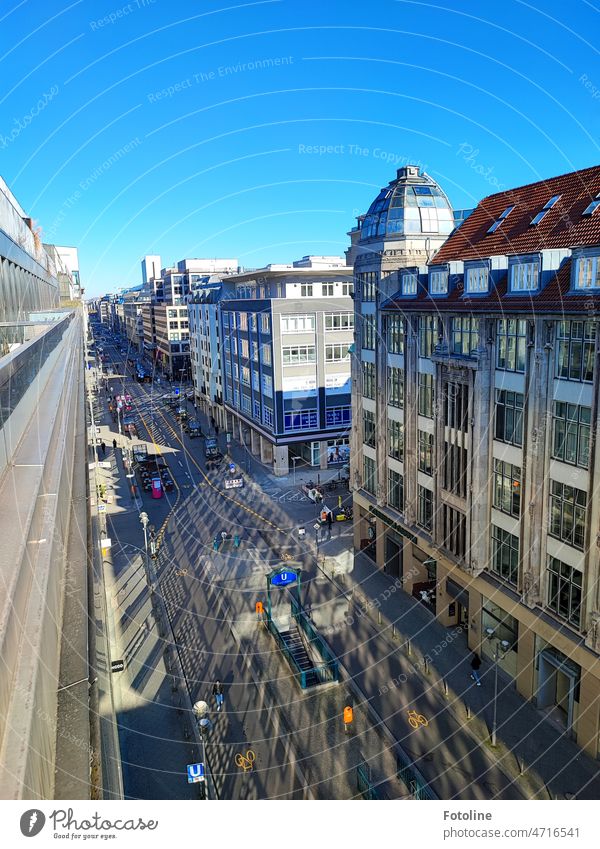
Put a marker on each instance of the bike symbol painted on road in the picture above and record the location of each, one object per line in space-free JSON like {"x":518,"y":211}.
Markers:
{"x":417,"y":719}
{"x":246,"y":761}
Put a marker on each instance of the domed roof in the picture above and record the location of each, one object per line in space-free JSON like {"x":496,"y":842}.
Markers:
{"x":413,"y":204}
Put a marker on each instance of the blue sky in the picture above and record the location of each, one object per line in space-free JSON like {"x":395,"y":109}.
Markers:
{"x":260,"y":130}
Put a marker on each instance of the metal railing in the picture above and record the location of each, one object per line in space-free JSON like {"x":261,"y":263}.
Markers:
{"x":328,"y":670}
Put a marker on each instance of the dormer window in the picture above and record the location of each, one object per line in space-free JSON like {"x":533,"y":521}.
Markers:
{"x":524,"y":275}
{"x":438,"y":282}
{"x":593,"y":206}
{"x":587,"y":274}
{"x":544,"y":211}
{"x":499,"y":221}
{"x":409,"y":284}
{"x":476,"y":279}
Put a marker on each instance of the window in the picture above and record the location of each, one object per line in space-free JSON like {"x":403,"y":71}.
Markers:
{"x":243,"y":325}
{"x":428,"y":335}
{"x":265,"y":323}
{"x":587,"y":274}
{"x":246,"y":375}
{"x":576,"y":343}
{"x":347,"y":290}
{"x":509,"y":417}
{"x":511,"y":341}
{"x":368,"y":383}
{"x":297,"y":323}
{"x":368,"y":285}
{"x":568,"y":507}
{"x":252,"y":321}
{"x":254,"y":346}
{"x":267,"y":384}
{"x":306,"y":290}
{"x":395,"y":386}
{"x":228,"y":367}
{"x":564,"y":591}
{"x":395,"y":334}
{"x":339,"y":321}
{"x":338,"y":416}
{"x":571,"y":433}
{"x":236,"y":397}
{"x":425,"y":508}
{"x":396,"y":440}
{"x":499,"y":220}
{"x":524,"y":276}
{"x":245,"y":350}
{"x":465,"y":335}
{"x":425,"y":449}
{"x":505,"y":554}
{"x":299,"y":419}
{"x":337,"y":353}
{"x":295,"y":354}
{"x":454,"y":468}
{"x":236,"y":372}
{"x":545,"y":209}
{"x":369,"y":475}
{"x":438,"y":282}
{"x":245,"y":403}
{"x":368,"y":332}
{"x":409,"y":284}
{"x":507,"y":488}
{"x":328,"y":290}
{"x":476,"y":279}
{"x":425,"y":395}
{"x":172,"y":313}
{"x":456,"y":406}
{"x":256,"y":411}
{"x":453,"y":530}
{"x":593,"y":206}
{"x":255,"y":381}
{"x":268,"y":416}
{"x":369,"y":428}
{"x":395,"y":490}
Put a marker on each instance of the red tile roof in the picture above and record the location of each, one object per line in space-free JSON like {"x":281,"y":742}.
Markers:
{"x":555,"y":297}
{"x":562,"y":227}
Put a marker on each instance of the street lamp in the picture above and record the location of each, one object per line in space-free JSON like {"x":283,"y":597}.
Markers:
{"x":204,"y":727}
{"x":145,"y":520}
{"x":500,"y":649}
{"x":294,"y":461}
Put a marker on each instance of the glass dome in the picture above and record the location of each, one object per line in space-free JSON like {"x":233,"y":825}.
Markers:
{"x":413,"y":204}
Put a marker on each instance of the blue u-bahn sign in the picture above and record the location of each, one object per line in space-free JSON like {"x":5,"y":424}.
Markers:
{"x":283,"y":578}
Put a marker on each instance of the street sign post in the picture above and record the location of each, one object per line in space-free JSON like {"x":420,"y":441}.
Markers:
{"x":234,"y":483}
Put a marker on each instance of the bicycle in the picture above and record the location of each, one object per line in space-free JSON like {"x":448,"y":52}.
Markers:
{"x":416,"y":719}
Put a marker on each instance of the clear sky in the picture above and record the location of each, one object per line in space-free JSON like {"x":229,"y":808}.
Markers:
{"x":260,"y":130}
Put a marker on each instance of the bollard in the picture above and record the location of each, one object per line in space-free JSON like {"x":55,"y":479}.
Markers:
{"x":348,"y":717}
{"x":468,"y":707}
{"x":379,"y":617}
{"x":408,"y":648}
{"x":426,"y":670}
{"x":394,"y":631}
{"x":445,"y":688}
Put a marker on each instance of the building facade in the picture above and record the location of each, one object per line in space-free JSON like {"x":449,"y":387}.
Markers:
{"x":172,"y":340}
{"x":477,"y":482}
{"x":205,"y":350}
{"x":287,"y":331}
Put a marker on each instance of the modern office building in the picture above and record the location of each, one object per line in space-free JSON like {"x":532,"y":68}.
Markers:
{"x":150,"y":269}
{"x":286,"y":335}
{"x":44,"y":598}
{"x":171,"y":336}
{"x":205,"y":348}
{"x":475,"y":468}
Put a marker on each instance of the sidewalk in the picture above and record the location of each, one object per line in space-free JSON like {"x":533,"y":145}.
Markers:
{"x":533,"y":752}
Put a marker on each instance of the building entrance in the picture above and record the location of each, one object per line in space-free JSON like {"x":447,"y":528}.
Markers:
{"x":393,"y":557}
{"x":558,"y":680}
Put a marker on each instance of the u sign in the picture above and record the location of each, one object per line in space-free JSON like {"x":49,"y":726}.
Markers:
{"x":282,"y":579}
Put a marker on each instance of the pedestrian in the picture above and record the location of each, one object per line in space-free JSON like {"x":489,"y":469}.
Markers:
{"x":329,"y":522}
{"x":218,"y":693}
{"x":212,"y":422}
{"x":216,"y":430}
{"x":475,"y":666}
{"x":103,"y":449}
{"x":114,"y":444}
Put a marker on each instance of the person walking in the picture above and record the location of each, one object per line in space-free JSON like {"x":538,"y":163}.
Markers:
{"x":218,"y":693}
{"x":114,"y":444}
{"x":329,"y":523}
{"x":103,"y":448}
{"x":475,"y":666}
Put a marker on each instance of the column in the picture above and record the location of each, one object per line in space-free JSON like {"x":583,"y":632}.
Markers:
{"x":280,"y":460}
{"x":266,"y":450}
{"x":323,"y":454}
{"x":254,"y":442}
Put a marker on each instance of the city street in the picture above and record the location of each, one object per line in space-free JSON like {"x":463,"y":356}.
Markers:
{"x":210,"y":596}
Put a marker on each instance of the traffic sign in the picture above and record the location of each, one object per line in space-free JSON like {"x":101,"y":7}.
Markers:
{"x":195,"y":773}
{"x":117,"y":665}
{"x":234,"y":483}
{"x":176,"y":392}
{"x":232,"y":468}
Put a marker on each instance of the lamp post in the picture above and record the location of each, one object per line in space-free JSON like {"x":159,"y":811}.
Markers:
{"x":204,"y":728}
{"x":145,"y":520}
{"x":500,"y":649}
{"x":294,"y":461}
